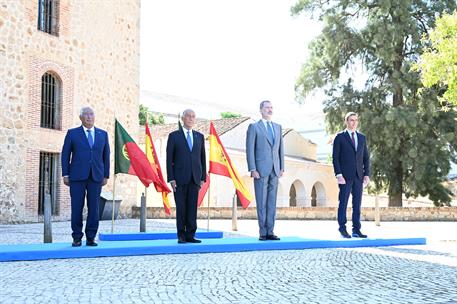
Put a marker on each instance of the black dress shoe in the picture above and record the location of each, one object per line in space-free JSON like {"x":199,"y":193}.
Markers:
{"x":273,"y":237}
{"x":345,"y":234}
{"x":76,"y":243}
{"x":91,"y":243}
{"x":193,"y":240}
{"x":181,"y":240}
{"x":358,"y":234}
{"x":262,"y":238}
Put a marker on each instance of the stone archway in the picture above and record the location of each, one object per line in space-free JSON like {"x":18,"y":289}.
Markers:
{"x":318,"y":196}
{"x":297,"y":194}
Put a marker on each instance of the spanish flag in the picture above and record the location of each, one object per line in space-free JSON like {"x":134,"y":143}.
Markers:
{"x":160,"y":185}
{"x":220,"y":163}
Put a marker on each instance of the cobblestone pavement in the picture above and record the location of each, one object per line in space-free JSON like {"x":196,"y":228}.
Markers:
{"x":404,"y":274}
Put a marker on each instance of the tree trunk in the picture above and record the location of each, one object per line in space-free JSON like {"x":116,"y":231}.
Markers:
{"x":396,"y":182}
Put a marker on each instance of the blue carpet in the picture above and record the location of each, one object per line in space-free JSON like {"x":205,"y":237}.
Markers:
{"x":133,"y":248}
{"x":141,"y":236}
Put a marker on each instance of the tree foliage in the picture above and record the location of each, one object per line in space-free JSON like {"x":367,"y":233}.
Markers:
{"x":230,"y":115}
{"x":439,"y":62}
{"x":411,"y":139}
{"x":153,"y":119}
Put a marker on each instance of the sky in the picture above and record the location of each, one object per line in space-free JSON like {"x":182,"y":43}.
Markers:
{"x":227,"y":52}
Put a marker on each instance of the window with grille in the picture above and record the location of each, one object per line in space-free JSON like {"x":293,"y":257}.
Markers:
{"x":48,"y":182}
{"x":50,"y":102}
{"x":48,"y":17}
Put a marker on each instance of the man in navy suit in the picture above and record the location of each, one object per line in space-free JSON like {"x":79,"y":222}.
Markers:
{"x":85,"y":168}
{"x":351,"y":163}
{"x":186,"y":172}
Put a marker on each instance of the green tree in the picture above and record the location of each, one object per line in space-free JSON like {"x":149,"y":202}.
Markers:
{"x":230,"y":115}
{"x":439,"y":62}
{"x":153,"y":119}
{"x":411,"y":140}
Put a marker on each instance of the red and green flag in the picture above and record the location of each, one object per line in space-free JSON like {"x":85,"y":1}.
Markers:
{"x":130,"y":159}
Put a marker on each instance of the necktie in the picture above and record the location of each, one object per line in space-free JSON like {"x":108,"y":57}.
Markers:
{"x":270,"y":133}
{"x":353,"y":139}
{"x":189,"y":140}
{"x":90,"y":138}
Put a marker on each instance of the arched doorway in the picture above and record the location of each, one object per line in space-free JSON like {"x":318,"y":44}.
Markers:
{"x":313,"y":197}
{"x":292,"y":196}
{"x":297,"y":194}
{"x":318,"y":197}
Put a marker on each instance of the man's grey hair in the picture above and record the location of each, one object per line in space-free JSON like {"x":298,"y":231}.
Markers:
{"x":262,"y":104}
{"x":349,"y":114}
{"x":84,"y":110}
{"x":187,"y":111}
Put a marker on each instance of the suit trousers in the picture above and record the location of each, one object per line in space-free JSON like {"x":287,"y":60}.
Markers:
{"x":186,"y":197}
{"x":79,"y":190}
{"x":354,"y":187}
{"x":266,"y":190}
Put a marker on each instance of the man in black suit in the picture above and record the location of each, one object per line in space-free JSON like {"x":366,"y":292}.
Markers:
{"x":351,"y":163}
{"x":186,"y":172}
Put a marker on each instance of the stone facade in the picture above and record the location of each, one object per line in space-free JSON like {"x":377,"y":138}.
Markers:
{"x":95,"y":57}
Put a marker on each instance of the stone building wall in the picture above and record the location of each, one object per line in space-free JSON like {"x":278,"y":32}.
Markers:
{"x":96,"y":58}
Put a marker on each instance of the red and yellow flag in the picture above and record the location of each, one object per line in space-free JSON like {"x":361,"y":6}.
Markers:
{"x":220,"y":163}
{"x":160,"y":185}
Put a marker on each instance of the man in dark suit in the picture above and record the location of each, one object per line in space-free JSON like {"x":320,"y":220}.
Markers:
{"x":186,"y":172}
{"x":265,"y":156}
{"x":351,"y":163}
{"x":85,"y":168}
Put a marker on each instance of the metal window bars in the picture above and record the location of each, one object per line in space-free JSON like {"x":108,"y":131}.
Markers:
{"x":48,"y":16}
{"x":50,"y":101}
{"x":48,"y":181}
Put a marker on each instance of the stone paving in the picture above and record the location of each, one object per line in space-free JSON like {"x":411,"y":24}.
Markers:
{"x":405,"y":274}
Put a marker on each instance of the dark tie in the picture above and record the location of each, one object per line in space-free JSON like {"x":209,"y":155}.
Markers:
{"x":353,"y":139}
{"x":270,"y":133}
{"x":90,"y":138}
{"x":189,"y":140}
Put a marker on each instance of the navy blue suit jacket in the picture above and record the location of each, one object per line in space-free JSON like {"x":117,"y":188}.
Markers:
{"x":346,"y":160}
{"x":184,"y":165}
{"x":78,"y":159}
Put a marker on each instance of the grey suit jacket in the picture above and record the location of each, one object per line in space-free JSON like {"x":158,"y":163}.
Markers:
{"x":263,"y":155}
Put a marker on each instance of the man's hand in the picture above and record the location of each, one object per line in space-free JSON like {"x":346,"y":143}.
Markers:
{"x":104,"y":182}
{"x":201,"y":183}
{"x":66,"y":180}
{"x":281,"y":173}
{"x":341,"y":180}
{"x":255,"y":174}
{"x":173,"y":185}
{"x":366,"y":181}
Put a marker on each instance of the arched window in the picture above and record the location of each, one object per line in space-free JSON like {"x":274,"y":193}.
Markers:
{"x":48,"y":16}
{"x":50,"y":101}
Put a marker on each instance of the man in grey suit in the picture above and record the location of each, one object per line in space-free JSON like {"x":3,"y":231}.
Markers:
{"x":265,"y":156}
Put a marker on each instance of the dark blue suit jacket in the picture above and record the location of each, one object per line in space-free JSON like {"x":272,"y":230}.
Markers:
{"x":78,"y":159}
{"x":352,"y":164}
{"x":182,"y":164}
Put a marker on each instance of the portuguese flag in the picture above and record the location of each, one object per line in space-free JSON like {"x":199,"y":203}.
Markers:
{"x":220,"y":163}
{"x":130,"y":159}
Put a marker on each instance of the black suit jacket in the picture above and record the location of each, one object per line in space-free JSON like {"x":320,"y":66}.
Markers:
{"x":346,"y":160}
{"x":184,"y":165}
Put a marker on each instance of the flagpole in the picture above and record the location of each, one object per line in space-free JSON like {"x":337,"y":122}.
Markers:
{"x":209,"y":198}
{"x":113,"y":205}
